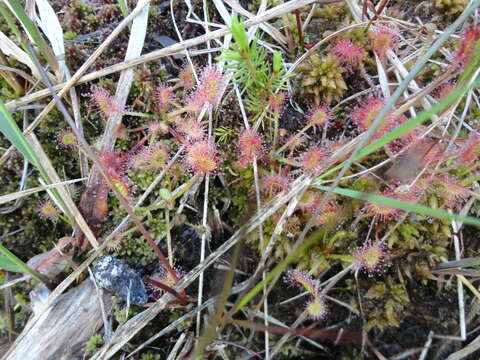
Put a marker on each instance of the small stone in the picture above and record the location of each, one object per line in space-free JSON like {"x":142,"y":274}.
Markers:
{"x":118,"y":277}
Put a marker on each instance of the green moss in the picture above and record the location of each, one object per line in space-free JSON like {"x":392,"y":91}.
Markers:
{"x":322,"y":77}
{"x":69,"y":35}
{"x":450,"y":9}
{"x":385,"y":303}
{"x":94,"y":343}
{"x":150,"y":356}
{"x":331,"y":12}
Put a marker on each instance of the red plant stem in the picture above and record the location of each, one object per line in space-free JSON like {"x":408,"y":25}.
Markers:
{"x":336,"y":336}
{"x":379,"y":10}
{"x":181,"y":297}
{"x":299,"y":28}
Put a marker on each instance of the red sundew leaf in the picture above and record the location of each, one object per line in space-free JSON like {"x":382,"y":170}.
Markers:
{"x":202,"y":157}
{"x":348,"y":52}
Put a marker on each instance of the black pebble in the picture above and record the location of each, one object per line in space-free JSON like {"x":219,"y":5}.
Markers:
{"x":118,"y":277}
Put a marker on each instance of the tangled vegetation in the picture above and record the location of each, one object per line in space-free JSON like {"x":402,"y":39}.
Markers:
{"x":309,"y":172}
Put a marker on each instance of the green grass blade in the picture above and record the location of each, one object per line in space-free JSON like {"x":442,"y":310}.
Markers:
{"x":20,"y":265}
{"x":9,"y":19}
{"x":402,"y":205}
{"x":10,"y":129}
{"x":9,"y":265}
{"x":32,"y":30}
{"x":462,"y":263}
{"x":123,"y":7}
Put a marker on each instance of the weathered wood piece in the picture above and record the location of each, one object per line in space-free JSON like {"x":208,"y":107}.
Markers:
{"x":63,"y":329}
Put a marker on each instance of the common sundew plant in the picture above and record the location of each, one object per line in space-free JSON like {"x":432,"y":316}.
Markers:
{"x":277,"y":180}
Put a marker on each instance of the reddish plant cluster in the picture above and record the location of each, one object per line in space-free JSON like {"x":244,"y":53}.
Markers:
{"x":331,"y":213}
{"x":104,"y":102}
{"x":382,"y":212}
{"x":187,"y":77}
{"x":66,"y":139}
{"x":467,"y":46}
{"x":313,"y":160}
{"x":202,"y":157}
{"x":348,"y":52}
{"x":320,"y":116}
{"x":272,"y":185}
{"x":211,"y":85}
{"x":150,"y":158}
{"x":470,"y":151}
{"x":367,"y":111}
{"x":250,"y":146}
{"x":164,"y":98}
{"x":156,"y":128}
{"x":371,"y":257}
{"x":309,"y":201}
{"x":315,"y":306}
{"x":383,"y":39}
{"x":192,"y":129}
{"x":451,"y":191}
{"x":47,"y":210}
{"x":115,"y":163}
{"x":302,"y":280}
{"x":276,"y":101}
{"x":294,"y":142}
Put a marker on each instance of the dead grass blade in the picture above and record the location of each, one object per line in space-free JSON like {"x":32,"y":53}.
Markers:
{"x":467,"y":350}
{"x":65,"y":198}
{"x":19,"y":194}
{"x":49,"y":24}
{"x":269,"y":29}
{"x":134,"y":49}
{"x":9,"y":48}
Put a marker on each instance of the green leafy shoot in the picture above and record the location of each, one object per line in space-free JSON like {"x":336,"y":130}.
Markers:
{"x":259,"y":78}
{"x":10,"y":129}
{"x":224,"y":133}
{"x":10,"y":262}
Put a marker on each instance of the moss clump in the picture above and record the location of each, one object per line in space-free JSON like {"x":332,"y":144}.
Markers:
{"x":385,"y":304}
{"x":450,"y":8}
{"x":150,"y":356}
{"x":80,"y":17}
{"x":94,"y":343}
{"x":331,"y":12}
{"x":419,"y":247}
{"x":322,"y":77}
